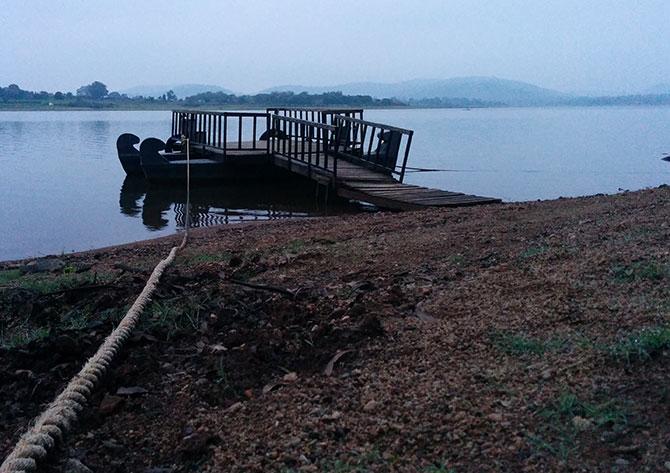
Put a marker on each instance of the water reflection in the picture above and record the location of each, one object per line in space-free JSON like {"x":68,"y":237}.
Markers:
{"x":159,"y":205}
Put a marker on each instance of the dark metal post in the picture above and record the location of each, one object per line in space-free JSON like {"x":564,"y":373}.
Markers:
{"x":404,"y":161}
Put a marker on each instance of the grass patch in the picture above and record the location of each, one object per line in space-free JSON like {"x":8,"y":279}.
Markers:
{"x":438,"y":468}
{"x":640,"y":270}
{"x":643,"y":345}
{"x":534,"y":251}
{"x":173,"y":318}
{"x":295,"y":246}
{"x":520,"y":344}
{"x":45,"y":284}
{"x":22,"y":337}
{"x":9,"y":275}
{"x":560,"y":432}
{"x":366,"y":462}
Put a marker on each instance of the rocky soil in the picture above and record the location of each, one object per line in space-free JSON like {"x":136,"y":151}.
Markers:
{"x":517,"y":337}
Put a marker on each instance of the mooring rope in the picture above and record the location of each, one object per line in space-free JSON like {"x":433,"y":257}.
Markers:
{"x":59,"y":416}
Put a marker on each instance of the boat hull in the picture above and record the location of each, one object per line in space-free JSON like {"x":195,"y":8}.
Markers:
{"x":203,"y":169}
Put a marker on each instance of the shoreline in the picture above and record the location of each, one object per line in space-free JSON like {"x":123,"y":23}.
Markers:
{"x":170,"y":107}
{"x":196,"y":231}
{"x":529,"y":336}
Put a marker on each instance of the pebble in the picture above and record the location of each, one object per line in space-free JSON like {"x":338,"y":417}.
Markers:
{"x":72,"y":465}
{"x":291,"y":377}
{"x":109,"y":404}
{"x":370,"y":406}
{"x":621,"y":462}
{"x":667,"y":465}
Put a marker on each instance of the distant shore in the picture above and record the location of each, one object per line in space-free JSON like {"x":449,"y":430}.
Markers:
{"x":168,"y":107}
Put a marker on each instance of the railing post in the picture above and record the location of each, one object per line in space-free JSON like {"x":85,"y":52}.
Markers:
{"x":404,"y":161}
{"x":239,"y":132}
{"x":225,"y":134}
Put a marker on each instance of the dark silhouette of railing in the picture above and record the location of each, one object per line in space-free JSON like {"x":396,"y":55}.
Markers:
{"x":314,"y":137}
{"x":213,"y":129}
{"x":321,"y":115}
{"x":304,"y":142}
{"x":373,"y":145}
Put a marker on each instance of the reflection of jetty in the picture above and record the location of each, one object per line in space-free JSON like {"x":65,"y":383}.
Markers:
{"x":337,"y":148}
{"x":213,"y":204}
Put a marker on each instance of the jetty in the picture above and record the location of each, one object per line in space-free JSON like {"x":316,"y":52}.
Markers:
{"x":355,"y":158}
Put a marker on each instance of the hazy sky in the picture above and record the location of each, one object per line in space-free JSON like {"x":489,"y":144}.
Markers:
{"x":247,"y":45}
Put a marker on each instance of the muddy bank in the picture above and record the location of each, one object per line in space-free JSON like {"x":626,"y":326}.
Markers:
{"x":516,"y":337}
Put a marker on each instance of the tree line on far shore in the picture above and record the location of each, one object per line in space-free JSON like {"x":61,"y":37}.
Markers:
{"x":97,"y":96}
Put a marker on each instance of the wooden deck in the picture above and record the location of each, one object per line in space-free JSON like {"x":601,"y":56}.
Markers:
{"x":357,"y":182}
{"x":358,"y":159}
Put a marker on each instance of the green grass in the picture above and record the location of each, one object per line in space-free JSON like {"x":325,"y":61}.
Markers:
{"x":9,"y":275}
{"x":364,"y":463}
{"x":174,"y":317}
{"x":520,"y":344}
{"x":534,"y":251}
{"x":295,"y":246}
{"x":640,"y":270}
{"x":438,"y":468}
{"x":559,"y":436}
{"x":643,"y":345}
{"x":21,"y":337}
{"x":47,"y":283}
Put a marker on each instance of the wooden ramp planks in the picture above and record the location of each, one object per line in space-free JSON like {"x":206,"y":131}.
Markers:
{"x":399,"y":196}
{"x":357,"y":182}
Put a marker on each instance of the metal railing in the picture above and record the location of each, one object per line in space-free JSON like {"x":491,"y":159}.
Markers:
{"x":213,"y":129}
{"x":317,"y":114}
{"x":317,"y":138}
{"x":373,"y":145}
{"x":304,"y":141}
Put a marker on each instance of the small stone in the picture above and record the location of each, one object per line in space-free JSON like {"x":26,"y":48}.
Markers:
{"x":546,"y":374}
{"x":334,"y":416}
{"x":291,"y":377}
{"x":131,"y":391}
{"x":235,"y":407}
{"x":43,"y":265}
{"x":112,"y":445}
{"x":667,"y":465}
{"x":581,"y":423}
{"x":72,"y":465}
{"x":621,"y":462}
{"x":370,"y":406}
{"x":495,"y":417}
{"x":201,"y":382}
{"x":110,"y":404}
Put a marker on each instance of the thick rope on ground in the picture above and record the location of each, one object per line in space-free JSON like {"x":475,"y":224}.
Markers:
{"x":57,"y":419}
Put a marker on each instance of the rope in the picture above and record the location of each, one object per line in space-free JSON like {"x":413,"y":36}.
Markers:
{"x":61,"y":414}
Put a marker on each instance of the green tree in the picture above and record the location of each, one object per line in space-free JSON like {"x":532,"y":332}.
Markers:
{"x":95,"y":90}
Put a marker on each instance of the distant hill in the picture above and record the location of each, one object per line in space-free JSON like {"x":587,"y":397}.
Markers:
{"x":658,"y":89}
{"x":487,"y":89}
{"x":180,"y":90}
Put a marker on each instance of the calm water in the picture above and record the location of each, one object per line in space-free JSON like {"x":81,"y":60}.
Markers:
{"x":62,"y":187}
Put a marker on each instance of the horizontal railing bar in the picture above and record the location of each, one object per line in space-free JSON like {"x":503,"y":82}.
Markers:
{"x":316,"y":109}
{"x":229,"y":114}
{"x":377,"y":125}
{"x":306,"y":122}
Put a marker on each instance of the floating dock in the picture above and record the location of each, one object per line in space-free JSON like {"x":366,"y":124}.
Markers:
{"x":357,"y":159}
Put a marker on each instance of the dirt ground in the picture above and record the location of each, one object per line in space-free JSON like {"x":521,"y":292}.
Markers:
{"x":517,"y":337}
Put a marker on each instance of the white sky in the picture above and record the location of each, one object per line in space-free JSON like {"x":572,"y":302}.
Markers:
{"x":612,"y":46}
